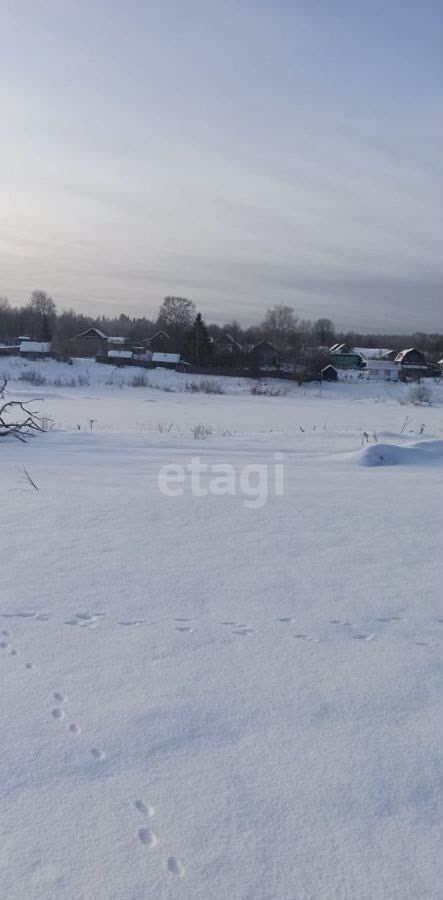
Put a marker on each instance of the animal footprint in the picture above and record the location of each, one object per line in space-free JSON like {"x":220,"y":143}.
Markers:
{"x":57,"y":713}
{"x":14,"y":652}
{"x":5,"y":633}
{"x":187,"y":628}
{"x":390,"y":619}
{"x":143,"y":808}
{"x":59,"y":697}
{"x":147,"y":837}
{"x":245,"y":632}
{"x":74,"y":728}
{"x":4,"y":645}
{"x":84,"y":619}
{"x":363,"y":637}
{"x":29,"y":665}
{"x":175,"y":867}
{"x":285,"y":619}
{"x":97,"y":753}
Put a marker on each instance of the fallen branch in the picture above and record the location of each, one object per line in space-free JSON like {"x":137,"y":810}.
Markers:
{"x":24,"y":427}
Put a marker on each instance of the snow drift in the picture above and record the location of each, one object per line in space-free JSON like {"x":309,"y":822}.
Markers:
{"x":420,"y":453}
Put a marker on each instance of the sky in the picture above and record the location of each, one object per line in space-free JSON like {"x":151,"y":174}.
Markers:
{"x":240,"y":154}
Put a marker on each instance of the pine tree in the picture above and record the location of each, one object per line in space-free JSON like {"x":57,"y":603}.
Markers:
{"x":198,"y":345}
{"x":46,"y":329}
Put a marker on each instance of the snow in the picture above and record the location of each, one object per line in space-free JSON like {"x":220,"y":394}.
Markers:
{"x":166,"y":358}
{"x":372,"y":352}
{"x":202,"y":700}
{"x":120,"y":354}
{"x":35,"y":347}
{"x":422,"y":453}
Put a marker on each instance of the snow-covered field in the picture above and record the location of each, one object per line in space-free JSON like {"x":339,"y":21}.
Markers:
{"x":206,"y":700}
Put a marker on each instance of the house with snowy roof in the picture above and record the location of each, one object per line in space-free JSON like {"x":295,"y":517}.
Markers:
{"x":413,"y":364}
{"x":35,"y":349}
{"x":343,"y":356}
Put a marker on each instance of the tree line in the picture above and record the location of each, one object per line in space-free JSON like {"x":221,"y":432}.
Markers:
{"x":189,"y":334}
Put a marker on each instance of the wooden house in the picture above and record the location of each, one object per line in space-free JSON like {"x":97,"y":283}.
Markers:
{"x":413,"y":364}
{"x":263,"y":355}
{"x":91,"y":342}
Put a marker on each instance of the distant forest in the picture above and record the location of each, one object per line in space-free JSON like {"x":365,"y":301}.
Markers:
{"x":39,"y":319}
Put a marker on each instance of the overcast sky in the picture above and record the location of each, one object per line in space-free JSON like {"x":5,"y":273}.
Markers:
{"x":237,"y":153}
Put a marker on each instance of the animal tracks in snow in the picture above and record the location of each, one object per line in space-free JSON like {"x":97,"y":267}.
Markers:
{"x":185,"y":625}
{"x":175,"y":867}
{"x":59,"y":697}
{"x":147,"y":837}
{"x":98,"y":754}
{"x":144,"y":808}
{"x":85,"y":619}
{"x":58,"y":713}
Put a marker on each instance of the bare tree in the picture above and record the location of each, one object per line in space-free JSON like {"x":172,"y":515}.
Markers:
{"x":324,"y":331}
{"x":16,"y":418}
{"x":42,"y":304}
{"x":176,"y":314}
{"x":279,"y":323}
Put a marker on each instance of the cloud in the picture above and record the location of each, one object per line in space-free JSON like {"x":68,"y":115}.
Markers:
{"x":238,"y":178}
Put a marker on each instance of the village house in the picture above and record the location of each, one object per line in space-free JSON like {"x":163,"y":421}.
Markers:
{"x":91,"y":342}
{"x":226,"y":346}
{"x":35,"y":349}
{"x":166,"y":360}
{"x":413,"y":364}
{"x":345,"y":357}
{"x":382,"y":370}
{"x":374,"y":352}
{"x":263,"y":355}
{"x":329,"y":373}
{"x":160,"y":342}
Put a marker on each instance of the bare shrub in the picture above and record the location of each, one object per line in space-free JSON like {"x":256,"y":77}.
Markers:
{"x":210,"y":386}
{"x":264,"y":390}
{"x":32,"y":377}
{"x":46,"y":423}
{"x":139,"y":381}
{"x":205,"y":386}
{"x":164,"y":427}
{"x":201,"y":431}
{"x":419,"y":393}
